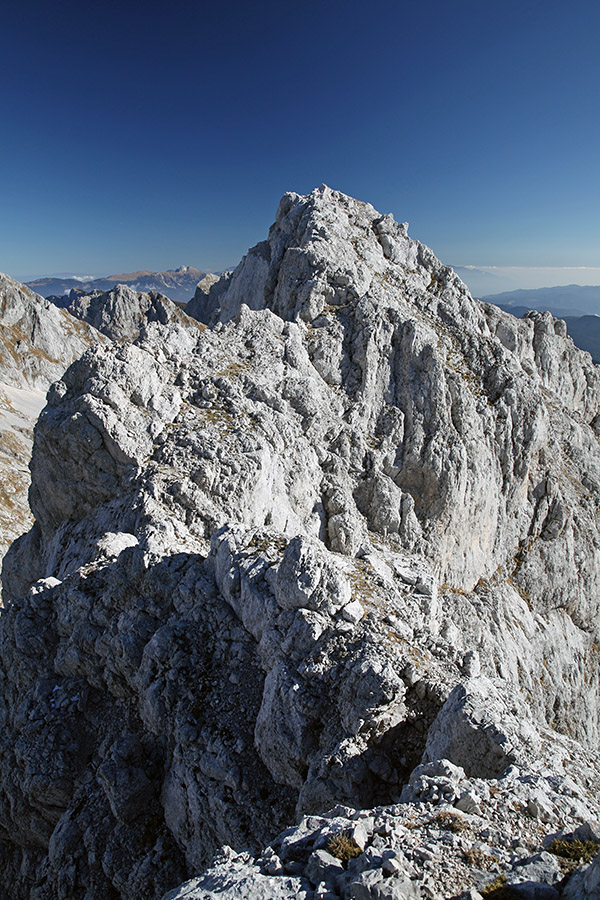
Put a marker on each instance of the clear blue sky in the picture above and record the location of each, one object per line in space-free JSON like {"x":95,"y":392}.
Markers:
{"x":147,"y":135}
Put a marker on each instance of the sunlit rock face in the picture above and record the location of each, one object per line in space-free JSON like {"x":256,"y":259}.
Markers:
{"x":37,"y":343}
{"x":37,"y":340}
{"x":122,"y":312}
{"x":277,"y":563}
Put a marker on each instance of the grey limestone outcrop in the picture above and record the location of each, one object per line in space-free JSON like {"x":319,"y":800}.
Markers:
{"x":37,"y":343}
{"x":122,"y":312}
{"x":37,"y":340}
{"x":327,"y":566}
{"x":207,"y":296}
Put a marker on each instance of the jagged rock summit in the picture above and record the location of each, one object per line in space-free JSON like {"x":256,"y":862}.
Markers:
{"x":37,"y":343}
{"x":122,"y":312}
{"x":332,"y":559}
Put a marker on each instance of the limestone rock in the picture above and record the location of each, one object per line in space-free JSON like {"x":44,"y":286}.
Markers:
{"x":19,"y":409}
{"x":37,"y":340}
{"x":233,"y":877}
{"x":585,"y":883}
{"x":37,"y":343}
{"x":339,"y":548}
{"x":205,"y":302}
{"x":122,"y":312}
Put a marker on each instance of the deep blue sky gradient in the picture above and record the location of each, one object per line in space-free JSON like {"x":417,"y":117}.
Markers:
{"x":146,"y":135}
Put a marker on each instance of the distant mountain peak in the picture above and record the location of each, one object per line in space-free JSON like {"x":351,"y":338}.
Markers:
{"x":176,"y":284}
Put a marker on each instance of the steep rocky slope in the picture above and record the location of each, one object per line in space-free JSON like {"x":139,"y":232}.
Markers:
{"x":37,"y":343}
{"x":279,"y":562}
{"x":37,"y":340}
{"x":19,"y":410}
{"x":207,"y":296}
{"x":121,"y":313}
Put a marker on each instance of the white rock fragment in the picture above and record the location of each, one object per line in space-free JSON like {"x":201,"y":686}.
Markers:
{"x":353,"y":612}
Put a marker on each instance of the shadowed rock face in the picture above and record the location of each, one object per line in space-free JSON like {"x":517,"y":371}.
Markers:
{"x":279,"y":562}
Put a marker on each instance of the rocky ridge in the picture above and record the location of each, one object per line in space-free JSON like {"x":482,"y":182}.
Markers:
{"x":37,"y":340}
{"x":37,"y":343}
{"x":333,"y":558}
{"x":122,"y":312}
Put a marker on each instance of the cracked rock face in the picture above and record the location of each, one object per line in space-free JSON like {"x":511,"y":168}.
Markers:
{"x":37,"y":340}
{"x":122,"y":312}
{"x":37,"y":343}
{"x":347,"y":529}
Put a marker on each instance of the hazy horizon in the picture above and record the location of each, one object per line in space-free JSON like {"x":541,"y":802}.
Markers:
{"x":501,"y":278}
{"x":489,"y":280}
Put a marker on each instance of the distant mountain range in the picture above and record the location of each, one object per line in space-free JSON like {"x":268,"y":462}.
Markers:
{"x":566,"y":300}
{"x":479,"y":281}
{"x":176,"y":284}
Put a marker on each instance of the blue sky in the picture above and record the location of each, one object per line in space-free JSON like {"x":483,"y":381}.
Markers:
{"x":150,"y":135}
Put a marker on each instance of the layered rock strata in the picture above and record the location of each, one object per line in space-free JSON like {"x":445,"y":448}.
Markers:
{"x":278,"y":563}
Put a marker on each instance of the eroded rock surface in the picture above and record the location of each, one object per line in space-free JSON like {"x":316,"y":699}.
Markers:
{"x":37,"y":343}
{"x":122,"y":312}
{"x":277,"y":564}
{"x":37,"y":340}
{"x":207,"y":296}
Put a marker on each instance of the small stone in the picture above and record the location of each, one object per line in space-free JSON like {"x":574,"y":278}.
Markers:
{"x":188,"y":733}
{"x":322,"y":866}
{"x":411,"y":675}
{"x":541,"y":867}
{"x":469,"y":802}
{"x":540,"y":808}
{"x":362,"y":886}
{"x":293,"y":867}
{"x":397,"y":888}
{"x":392,"y":865}
{"x":472,"y":664}
{"x":420,"y":689}
{"x":353,"y":612}
{"x":274,"y":866}
{"x":323,"y":892}
{"x":362,"y":831}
